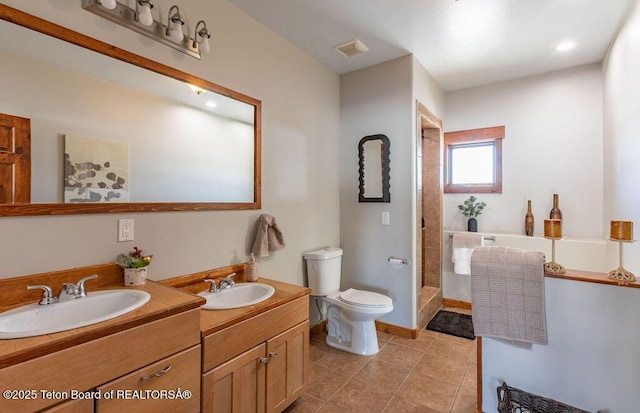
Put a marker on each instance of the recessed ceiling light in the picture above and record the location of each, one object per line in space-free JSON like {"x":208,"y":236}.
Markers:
{"x":564,"y":46}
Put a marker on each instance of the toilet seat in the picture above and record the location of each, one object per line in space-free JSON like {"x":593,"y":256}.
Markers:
{"x":366,"y":299}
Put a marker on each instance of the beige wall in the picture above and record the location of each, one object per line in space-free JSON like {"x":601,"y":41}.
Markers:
{"x":300,"y":134}
{"x":381,"y":100}
{"x":553,"y":144}
{"x":622,"y":136}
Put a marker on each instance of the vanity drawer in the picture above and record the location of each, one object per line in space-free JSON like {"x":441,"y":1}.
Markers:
{"x":73,"y":406}
{"x":227,"y":343}
{"x":159,"y":387}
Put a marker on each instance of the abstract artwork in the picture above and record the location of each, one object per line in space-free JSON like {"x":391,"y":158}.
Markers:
{"x":95,"y":170}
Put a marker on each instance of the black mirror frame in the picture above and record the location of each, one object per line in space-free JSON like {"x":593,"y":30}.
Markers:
{"x":386,"y":196}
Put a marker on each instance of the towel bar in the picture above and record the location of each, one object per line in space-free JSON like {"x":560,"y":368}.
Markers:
{"x":484,"y":237}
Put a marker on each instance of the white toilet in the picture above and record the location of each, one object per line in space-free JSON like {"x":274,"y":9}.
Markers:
{"x":351,"y":314}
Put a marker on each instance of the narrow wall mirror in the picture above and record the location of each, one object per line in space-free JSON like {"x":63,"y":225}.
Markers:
{"x":111,"y":131}
{"x":373,"y":155}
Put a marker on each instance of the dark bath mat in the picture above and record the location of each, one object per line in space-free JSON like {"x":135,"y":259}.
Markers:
{"x":455,"y":324}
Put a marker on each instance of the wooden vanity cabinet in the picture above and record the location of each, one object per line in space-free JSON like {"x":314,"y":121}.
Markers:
{"x":86,"y":367}
{"x":159,"y":387}
{"x":270,"y":372}
{"x":73,"y":406}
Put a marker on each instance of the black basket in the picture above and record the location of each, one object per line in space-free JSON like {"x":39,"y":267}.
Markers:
{"x":513,"y":400}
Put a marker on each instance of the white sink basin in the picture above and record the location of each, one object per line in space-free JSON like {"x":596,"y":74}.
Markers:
{"x":35,"y":320}
{"x":239,"y":295}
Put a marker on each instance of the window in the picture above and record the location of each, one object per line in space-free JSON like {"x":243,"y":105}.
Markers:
{"x":473,"y":160}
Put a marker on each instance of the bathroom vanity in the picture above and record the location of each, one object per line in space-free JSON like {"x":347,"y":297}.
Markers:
{"x":118,"y":365}
{"x":167,"y":356}
{"x":254,"y":358}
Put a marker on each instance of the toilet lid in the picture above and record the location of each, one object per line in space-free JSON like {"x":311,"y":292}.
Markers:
{"x":364,"y":298}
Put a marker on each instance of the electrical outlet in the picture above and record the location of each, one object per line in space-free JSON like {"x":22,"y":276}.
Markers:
{"x":125,"y":230}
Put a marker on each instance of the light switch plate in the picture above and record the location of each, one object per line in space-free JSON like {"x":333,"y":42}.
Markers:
{"x":384,"y":218}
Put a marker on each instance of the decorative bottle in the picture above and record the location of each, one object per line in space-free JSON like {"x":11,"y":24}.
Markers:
{"x":555,"y":211}
{"x":528,"y":220}
{"x":252,"y":269}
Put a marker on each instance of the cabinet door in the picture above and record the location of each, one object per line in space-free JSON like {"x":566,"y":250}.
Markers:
{"x":155,"y":388}
{"x":288,"y":367}
{"x":237,"y":386}
{"x":73,"y":406}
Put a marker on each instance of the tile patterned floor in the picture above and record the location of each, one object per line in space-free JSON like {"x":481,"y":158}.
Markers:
{"x":435,"y":373}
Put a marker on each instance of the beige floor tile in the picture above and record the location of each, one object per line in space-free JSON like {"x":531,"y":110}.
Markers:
{"x":470,"y":379}
{"x":382,"y":336}
{"x":399,"y":355}
{"x":399,"y":405}
{"x":305,"y":404}
{"x":316,"y":352}
{"x":451,"y":370}
{"x":420,"y":343}
{"x":443,"y":379}
{"x":465,"y":402}
{"x":359,"y":396}
{"x":332,"y":408}
{"x":382,"y":374}
{"x":428,"y":391}
{"x":324,"y":382}
{"x":345,"y":362}
{"x":449,"y":349}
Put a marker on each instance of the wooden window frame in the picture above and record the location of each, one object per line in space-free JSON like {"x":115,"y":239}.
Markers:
{"x":494,"y":135}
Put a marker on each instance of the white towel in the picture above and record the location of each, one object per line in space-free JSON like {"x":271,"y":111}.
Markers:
{"x":507,"y":295}
{"x":461,"y":249}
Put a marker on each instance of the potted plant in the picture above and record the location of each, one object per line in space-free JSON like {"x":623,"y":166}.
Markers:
{"x":135,"y":266}
{"x":471,"y":209}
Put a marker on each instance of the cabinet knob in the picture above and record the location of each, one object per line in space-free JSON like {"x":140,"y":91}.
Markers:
{"x":264,"y":360}
{"x":273,"y":354}
{"x":157,"y":373}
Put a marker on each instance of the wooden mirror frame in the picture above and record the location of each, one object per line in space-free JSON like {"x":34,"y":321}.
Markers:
{"x":386,"y":195}
{"x":28,"y":21}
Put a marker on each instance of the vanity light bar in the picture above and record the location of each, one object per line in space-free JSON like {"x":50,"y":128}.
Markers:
{"x":126,"y":16}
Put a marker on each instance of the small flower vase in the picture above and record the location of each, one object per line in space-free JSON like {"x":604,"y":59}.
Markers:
{"x":472,"y":225}
{"x":135,"y":276}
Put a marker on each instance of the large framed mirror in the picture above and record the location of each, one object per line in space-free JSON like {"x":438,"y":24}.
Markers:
{"x":113,"y":132}
{"x":374,"y":169}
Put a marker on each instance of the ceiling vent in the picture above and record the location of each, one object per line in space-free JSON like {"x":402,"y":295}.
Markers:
{"x":351,"y":48}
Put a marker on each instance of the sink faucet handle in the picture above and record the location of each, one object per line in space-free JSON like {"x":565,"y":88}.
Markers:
{"x":213,"y":287}
{"x":47,"y":294}
{"x":228,"y":278}
{"x":80,"y":284}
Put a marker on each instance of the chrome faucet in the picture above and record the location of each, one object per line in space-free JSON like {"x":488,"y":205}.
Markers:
{"x":69,"y":291}
{"x":226,"y":282}
{"x":47,"y":294}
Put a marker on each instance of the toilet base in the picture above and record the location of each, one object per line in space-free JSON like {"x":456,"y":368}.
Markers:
{"x":358,"y":337}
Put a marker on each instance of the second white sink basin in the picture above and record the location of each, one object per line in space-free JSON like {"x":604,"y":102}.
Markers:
{"x":239,"y":295}
{"x":35,"y":320}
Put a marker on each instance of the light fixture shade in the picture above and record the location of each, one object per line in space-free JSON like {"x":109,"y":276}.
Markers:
{"x":144,"y":16}
{"x":204,"y":45}
{"x":109,"y":4}
{"x":176,"y":34}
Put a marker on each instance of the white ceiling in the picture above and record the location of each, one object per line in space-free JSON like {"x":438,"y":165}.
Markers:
{"x":461,"y":43}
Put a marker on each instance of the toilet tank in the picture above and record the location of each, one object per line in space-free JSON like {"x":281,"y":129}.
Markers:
{"x":324,"y":270}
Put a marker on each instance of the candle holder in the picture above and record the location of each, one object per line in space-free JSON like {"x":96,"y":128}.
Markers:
{"x":620,"y":274}
{"x":553,"y":267}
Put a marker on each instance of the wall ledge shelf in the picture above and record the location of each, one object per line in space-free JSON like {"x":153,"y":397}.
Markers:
{"x":592,"y":277}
